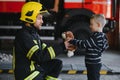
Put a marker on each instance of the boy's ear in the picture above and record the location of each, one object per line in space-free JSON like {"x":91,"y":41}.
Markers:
{"x":99,"y":25}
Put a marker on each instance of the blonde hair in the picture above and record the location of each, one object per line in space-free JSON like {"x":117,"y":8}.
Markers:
{"x":99,"y":18}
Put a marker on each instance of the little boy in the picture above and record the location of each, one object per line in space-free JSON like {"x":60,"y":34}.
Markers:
{"x":94,"y":46}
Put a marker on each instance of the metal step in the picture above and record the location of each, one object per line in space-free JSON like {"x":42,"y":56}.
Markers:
{"x":48,"y":28}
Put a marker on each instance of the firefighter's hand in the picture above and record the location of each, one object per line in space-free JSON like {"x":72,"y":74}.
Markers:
{"x":69,"y":46}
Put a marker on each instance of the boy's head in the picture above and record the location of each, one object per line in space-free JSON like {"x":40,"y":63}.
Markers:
{"x":97,"y":22}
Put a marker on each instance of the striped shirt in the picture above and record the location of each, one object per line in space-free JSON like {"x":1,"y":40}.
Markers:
{"x":94,"y":46}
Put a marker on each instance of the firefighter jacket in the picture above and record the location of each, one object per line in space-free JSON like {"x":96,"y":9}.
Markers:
{"x":29,"y":52}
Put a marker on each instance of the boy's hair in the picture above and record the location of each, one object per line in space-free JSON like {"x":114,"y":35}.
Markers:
{"x":99,"y":18}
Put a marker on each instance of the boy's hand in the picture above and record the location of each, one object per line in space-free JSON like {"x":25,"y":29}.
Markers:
{"x":67,"y":36}
{"x":74,"y":42}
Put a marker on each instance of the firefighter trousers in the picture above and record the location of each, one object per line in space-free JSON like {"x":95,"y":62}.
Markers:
{"x":51,"y":68}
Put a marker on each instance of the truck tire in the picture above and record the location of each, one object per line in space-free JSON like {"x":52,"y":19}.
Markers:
{"x":81,"y":30}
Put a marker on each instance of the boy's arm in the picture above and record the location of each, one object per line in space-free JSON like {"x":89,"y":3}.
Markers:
{"x":96,"y":43}
{"x":81,"y":43}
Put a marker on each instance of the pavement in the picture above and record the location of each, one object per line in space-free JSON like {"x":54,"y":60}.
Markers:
{"x":74,"y":67}
{"x":110,"y":69}
{"x":110,"y":60}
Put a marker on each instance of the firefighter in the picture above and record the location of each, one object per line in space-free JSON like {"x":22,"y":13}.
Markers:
{"x":32,"y":58}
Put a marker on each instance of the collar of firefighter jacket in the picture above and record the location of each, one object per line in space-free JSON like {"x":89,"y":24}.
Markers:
{"x":31,"y":28}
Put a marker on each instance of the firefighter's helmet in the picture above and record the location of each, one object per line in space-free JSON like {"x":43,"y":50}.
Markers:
{"x":30,"y":10}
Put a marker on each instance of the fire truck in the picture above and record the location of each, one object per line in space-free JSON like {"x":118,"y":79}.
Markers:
{"x":78,"y":13}
{"x":75,"y":16}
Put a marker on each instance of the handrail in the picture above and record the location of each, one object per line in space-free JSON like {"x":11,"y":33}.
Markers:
{"x":13,"y":37}
{"x":19,"y":27}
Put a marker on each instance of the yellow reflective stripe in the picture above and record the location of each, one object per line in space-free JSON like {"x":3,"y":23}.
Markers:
{"x":31,"y":51}
{"x":43,"y":46}
{"x":52,"y":53}
{"x":35,"y":41}
{"x":50,"y":78}
{"x":32,"y":67}
{"x":32,"y":76}
{"x":13,"y":59}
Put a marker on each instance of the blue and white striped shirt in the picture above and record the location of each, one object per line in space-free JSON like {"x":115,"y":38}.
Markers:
{"x":94,"y":46}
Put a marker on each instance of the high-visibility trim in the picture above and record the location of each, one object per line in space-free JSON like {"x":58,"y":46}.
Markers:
{"x":32,"y":50}
{"x":32,"y":76}
{"x":50,"y":78}
{"x":35,"y":41}
{"x":32,"y":67}
{"x":43,"y":46}
{"x":52,"y":53}
{"x":13,"y":59}
{"x":13,"y":63}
